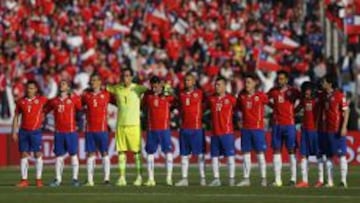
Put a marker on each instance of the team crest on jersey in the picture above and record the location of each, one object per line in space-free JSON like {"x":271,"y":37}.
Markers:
{"x":68,"y":101}
{"x":102,"y":96}
{"x":256,"y":98}
{"x":226,"y":101}
{"x":332,"y":99}
{"x":196,"y":95}
{"x":36,"y":101}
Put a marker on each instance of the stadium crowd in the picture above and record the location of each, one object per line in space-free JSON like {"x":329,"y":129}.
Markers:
{"x":49,"y":41}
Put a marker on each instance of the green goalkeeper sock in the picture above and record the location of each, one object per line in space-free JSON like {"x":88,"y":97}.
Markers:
{"x":122,"y":164}
{"x":138,"y":163}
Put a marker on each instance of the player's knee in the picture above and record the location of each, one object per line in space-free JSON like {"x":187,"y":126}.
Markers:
{"x":103,"y":154}
{"x":25,"y":155}
{"x":276,"y":151}
{"x":91,"y":154}
{"x":291,"y":151}
{"x":38,"y":154}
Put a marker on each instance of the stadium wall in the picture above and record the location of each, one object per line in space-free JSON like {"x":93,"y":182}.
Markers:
{"x":9,"y":154}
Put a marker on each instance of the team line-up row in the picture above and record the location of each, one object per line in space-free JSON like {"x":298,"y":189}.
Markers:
{"x":324,"y":126}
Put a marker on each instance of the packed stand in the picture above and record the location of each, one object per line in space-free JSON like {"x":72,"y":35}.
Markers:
{"x":51,"y":41}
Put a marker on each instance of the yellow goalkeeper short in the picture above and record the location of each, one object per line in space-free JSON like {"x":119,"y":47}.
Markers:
{"x":128,"y":138}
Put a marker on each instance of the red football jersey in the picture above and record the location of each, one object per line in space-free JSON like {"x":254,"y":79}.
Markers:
{"x":310,"y":108}
{"x":222,"y":109}
{"x":64,"y":112}
{"x":191,"y":109}
{"x":96,"y":110}
{"x":32,"y":112}
{"x":252,"y":108}
{"x":335,"y":104}
{"x":158,"y":110}
{"x":282,"y":102}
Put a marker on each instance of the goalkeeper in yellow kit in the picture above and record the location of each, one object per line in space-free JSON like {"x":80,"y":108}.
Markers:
{"x":128,"y":132}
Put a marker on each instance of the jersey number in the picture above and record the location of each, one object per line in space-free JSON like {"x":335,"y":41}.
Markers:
{"x":218,"y":107}
{"x":61,"y":108}
{"x":249,"y":104}
{"x":187,"y":102}
{"x":281,"y":99}
{"x":29,"y":108}
{"x":156,"y":102}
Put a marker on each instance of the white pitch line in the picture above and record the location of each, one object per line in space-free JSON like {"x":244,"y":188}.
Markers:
{"x":200,"y":195}
{"x":189,"y":187}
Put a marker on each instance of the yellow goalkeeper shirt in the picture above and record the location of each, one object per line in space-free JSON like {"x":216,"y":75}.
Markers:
{"x":128,"y":100}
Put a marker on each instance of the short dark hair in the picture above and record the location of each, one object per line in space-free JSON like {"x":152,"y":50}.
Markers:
{"x":32,"y":82}
{"x":128,"y":69}
{"x":155,"y":80}
{"x":36,"y":84}
{"x":252,"y":76}
{"x":95,"y":74}
{"x":283,"y":72}
{"x":332,"y":79}
{"x":307,"y":86}
{"x":221,"y":78}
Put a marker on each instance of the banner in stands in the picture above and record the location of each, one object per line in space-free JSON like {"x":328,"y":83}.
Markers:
{"x":9,"y":154}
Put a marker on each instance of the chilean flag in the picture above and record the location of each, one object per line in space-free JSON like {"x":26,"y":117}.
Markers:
{"x":117,"y":29}
{"x":283,"y":42}
{"x":352,"y":25}
{"x":156,"y":17}
{"x":267,"y":63}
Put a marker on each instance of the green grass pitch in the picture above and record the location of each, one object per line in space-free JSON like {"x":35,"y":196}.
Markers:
{"x":161,"y":193}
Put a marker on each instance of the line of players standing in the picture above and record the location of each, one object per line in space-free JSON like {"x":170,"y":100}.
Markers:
{"x":324,"y":126}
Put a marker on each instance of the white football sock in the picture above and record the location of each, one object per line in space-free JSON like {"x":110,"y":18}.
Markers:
{"x":262,"y":164}
{"x":247,"y":165}
{"x":59,"y":167}
{"x":321,"y":170}
{"x":39,"y":167}
{"x":329,"y":170}
{"x":106,"y":167}
{"x":277,"y":167}
{"x":201,"y":162}
{"x":215,"y":166}
{"x":293,"y":167}
{"x":24,"y":165}
{"x":91,"y":168}
{"x":75,"y":166}
{"x":169,"y":165}
{"x":231,"y":165}
{"x":304,"y":170}
{"x":343,"y":168}
{"x":150,"y":166}
{"x":184,"y":166}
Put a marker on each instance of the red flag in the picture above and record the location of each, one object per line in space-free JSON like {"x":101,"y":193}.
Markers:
{"x":352,"y":25}
{"x":268,"y":63}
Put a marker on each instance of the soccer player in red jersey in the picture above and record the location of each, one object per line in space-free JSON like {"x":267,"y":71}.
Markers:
{"x":192,"y":138}
{"x":96,"y":102}
{"x":222,"y":143}
{"x":336,"y":117}
{"x":282,"y":100}
{"x":309,"y":145}
{"x":157,"y":105}
{"x":251,"y":104}
{"x":66,"y":140}
{"x":31,"y":110}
